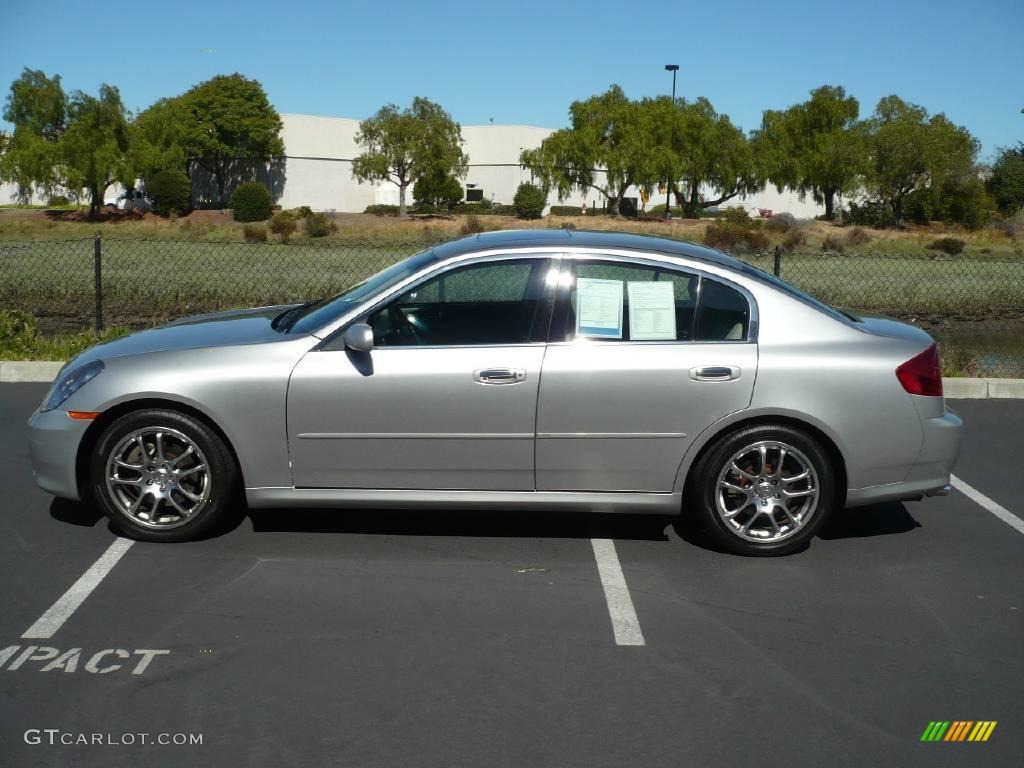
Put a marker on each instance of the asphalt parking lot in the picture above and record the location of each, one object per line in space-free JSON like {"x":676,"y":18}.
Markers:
{"x":467,"y":639}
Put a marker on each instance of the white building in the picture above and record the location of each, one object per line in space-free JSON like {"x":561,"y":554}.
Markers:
{"x":317,"y":171}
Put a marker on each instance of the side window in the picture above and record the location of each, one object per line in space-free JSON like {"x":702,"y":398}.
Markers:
{"x":611,"y":301}
{"x":723,"y":313}
{"x":492,"y":303}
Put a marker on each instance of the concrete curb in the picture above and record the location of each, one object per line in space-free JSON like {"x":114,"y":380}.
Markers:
{"x":12,"y":371}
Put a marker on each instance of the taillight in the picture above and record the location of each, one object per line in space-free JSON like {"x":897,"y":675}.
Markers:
{"x":921,"y":374}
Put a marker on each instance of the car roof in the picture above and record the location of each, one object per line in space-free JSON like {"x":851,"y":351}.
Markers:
{"x":565,"y":238}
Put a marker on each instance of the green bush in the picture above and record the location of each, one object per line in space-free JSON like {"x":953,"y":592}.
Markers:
{"x":736,"y":236}
{"x":255,"y":233}
{"x":301,"y":212}
{"x":18,"y":331}
{"x":566,"y":210}
{"x":857,"y":236}
{"x":251,"y":202}
{"x":832,"y":244}
{"x":58,"y":200}
{"x":658,"y":211}
{"x":780,"y":222}
{"x":283,"y":224}
{"x":870,"y":213}
{"x":382,"y":209}
{"x":439,"y":192}
{"x":473,"y":225}
{"x":529,"y":201}
{"x":949,"y":245}
{"x":736,"y":215}
{"x":319,"y":225}
{"x":170,"y":191}
{"x":794,"y":238}
{"x":484,"y":208}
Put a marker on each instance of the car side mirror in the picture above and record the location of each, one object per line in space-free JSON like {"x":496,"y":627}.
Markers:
{"x":359,"y":337}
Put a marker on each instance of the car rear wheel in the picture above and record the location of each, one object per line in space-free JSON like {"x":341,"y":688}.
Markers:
{"x":764,"y":490}
{"x":161,"y":475}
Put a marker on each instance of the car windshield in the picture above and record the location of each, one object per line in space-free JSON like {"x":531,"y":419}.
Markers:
{"x":308,"y":317}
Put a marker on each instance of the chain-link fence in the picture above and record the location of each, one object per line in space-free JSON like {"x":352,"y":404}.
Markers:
{"x":974,"y":306}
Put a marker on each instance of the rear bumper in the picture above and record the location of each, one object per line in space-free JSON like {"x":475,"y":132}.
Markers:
{"x":53,"y":440}
{"x":929,"y":475}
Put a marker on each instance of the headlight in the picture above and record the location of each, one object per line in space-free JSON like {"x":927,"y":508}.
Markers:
{"x":70,"y":382}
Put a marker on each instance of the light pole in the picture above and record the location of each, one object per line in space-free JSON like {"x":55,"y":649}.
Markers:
{"x":673,"y":68}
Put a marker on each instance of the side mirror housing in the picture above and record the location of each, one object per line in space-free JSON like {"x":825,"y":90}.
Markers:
{"x":359,"y":337}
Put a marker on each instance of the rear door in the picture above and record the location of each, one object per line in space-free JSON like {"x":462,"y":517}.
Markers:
{"x":643,"y":357}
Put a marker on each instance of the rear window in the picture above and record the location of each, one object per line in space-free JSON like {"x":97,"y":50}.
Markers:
{"x":723,"y":313}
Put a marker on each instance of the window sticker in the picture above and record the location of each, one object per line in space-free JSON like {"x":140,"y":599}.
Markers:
{"x":599,"y":308}
{"x":652,"y":311}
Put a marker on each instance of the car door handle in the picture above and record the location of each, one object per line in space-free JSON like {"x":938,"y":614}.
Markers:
{"x":499,"y":375}
{"x":715,"y":373}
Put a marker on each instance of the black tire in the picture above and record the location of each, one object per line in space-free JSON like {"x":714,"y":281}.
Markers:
{"x":211,"y":515}
{"x":703,"y":489}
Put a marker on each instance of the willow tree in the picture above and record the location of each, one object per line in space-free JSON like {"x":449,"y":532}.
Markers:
{"x":910,"y":151}
{"x":37,"y":108}
{"x":815,"y":147}
{"x":612,"y":143}
{"x":404,"y":145}
{"x":711,"y":160}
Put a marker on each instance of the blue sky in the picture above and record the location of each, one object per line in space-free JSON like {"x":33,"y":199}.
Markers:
{"x":520,"y":61}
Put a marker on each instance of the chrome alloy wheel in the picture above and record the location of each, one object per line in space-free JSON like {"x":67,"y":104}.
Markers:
{"x":158,"y":477}
{"x":767,"y":491}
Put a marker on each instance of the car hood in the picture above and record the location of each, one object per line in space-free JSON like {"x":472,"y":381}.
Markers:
{"x":218,"y":329}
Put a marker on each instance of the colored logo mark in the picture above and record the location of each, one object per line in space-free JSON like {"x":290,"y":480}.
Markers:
{"x":958,"y":730}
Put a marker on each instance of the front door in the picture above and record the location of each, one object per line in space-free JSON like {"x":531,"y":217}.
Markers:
{"x":447,"y":398}
{"x":643,"y":358}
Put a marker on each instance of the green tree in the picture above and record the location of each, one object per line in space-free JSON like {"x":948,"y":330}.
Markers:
{"x":229,"y":117}
{"x":708,"y":152}
{"x":159,"y":138}
{"x":402,"y":145}
{"x":94,"y":147}
{"x":908,"y":151}
{"x":439,"y":190}
{"x":612,"y":143}
{"x":816,"y":146}
{"x":37,"y":107}
{"x":1006,"y":182}
{"x":529,"y":201}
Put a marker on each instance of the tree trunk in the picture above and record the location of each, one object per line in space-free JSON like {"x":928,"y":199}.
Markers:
{"x":401,"y":198}
{"x":692,"y":208}
{"x":94,"y":200}
{"x":220,"y":187}
{"x":830,"y":204}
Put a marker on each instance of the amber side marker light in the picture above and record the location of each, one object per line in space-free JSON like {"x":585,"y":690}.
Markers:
{"x":84,"y":415}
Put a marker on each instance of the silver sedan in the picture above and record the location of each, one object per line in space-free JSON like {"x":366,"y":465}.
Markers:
{"x":561,"y":369}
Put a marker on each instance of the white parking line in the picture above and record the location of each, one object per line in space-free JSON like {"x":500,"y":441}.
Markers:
{"x":980,"y":498}
{"x":625,"y":624}
{"x":68,"y":603}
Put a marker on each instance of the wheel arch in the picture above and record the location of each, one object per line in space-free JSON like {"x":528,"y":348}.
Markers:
{"x":112,"y":414}
{"x":711,"y":436}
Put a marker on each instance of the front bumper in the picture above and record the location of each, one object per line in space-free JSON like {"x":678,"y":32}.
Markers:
{"x":929,"y":475}
{"x":53,"y":441}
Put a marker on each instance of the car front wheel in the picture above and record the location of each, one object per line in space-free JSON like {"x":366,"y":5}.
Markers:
{"x":764,"y":490}
{"x":161,"y":475}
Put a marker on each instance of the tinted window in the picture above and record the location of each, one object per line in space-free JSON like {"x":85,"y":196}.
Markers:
{"x":630,"y":302}
{"x":493,"y":303}
{"x":723,"y":314}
